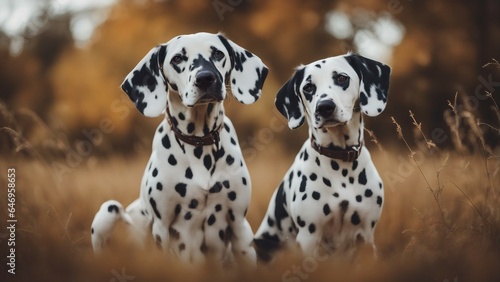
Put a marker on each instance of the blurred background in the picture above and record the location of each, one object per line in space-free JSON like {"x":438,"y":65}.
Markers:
{"x":63,"y":61}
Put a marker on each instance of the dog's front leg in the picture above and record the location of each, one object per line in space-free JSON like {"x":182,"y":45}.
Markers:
{"x":243,"y":241}
{"x":307,"y":240}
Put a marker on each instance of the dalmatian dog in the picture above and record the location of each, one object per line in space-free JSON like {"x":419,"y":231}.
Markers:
{"x":331,"y":198}
{"x":196,"y":187}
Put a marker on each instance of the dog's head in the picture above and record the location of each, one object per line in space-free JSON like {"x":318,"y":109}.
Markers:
{"x":197,"y":67}
{"x":329,"y":90}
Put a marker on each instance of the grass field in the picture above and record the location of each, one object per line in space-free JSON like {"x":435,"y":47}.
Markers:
{"x":440,"y":222}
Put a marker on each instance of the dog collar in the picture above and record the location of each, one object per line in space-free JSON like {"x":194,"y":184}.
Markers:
{"x":213,"y":137}
{"x":347,"y":155}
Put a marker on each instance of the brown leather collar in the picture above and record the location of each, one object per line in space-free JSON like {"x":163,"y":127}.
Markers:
{"x":347,"y":155}
{"x":210,"y":139}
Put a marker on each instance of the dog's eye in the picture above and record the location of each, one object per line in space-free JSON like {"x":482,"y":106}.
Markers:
{"x":177,"y":59}
{"x":218,"y":55}
{"x":309,"y":88}
{"x":341,"y":79}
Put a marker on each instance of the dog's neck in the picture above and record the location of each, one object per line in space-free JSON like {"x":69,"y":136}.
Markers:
{"x":341,"y":136}
{"x":199,"y":120}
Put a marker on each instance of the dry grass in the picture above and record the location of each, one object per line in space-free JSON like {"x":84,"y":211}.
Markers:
{"x":441,"y":217}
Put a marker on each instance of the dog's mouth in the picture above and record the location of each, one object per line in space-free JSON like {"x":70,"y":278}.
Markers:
{"x":330,"y":123}
{"x":210,"y":97}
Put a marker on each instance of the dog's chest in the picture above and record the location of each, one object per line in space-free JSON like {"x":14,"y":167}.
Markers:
{"x":318,"y":189}
{"x":190,"y":176}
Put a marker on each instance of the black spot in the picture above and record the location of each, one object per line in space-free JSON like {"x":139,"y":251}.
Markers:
{"x":92,"y":230}
{"x":335,"y":165}
{"x":188,"y":216}
{"x":380,"y":185}
{"x":150,"y":190}
{"x":207,"y":162}
{"x":316,"y":195}
{"x":300,"y":222}
{"x":177,"y":209}
{"x":190,"y":127}
{"x":336,"y":195}
{"x":233,"y":141}
{"x":379,"y":201}
{"x":181,"y":116}
{"x":231,"y":214}
{"x":306,"y":155}
{"x":231,"y":195}
{"x":218,"y":208}
{"x":181,"y":189}
{"x":351,"y":180}
{"x":343,"y":184}
{"x":153,"y":205}
{"x":354,"y":165}
{"x":198,"y":151}
{"x":290,"y":178}
{"x":303,"y":184}
{"x":113,"y":208}
{"x":294,"y":197}
{"x":189,"y":173}
{"x":368,"y":193}
{"x":172,"y":160}
{"x":359,"y":198}
{"x":216,"y":188}
{"x":159,"y":186}
{"x":211,"y":220}
{"x":326,"y":209}
{"x":219,"y":154}
{"x":226,"y":127}
{"x":270,"y":221}
{"x":312,"y":228}
{"x":160,"y":130}
{"x":226,"y":183}
{"x":373,"y":224}
{"x":317,"y":161}
{"x":304,"y":197}
{"x":244,"y":180}
{"x":280,"y":212}
{"x":193,"y":204}
{"x":229,"y":160}
{"x":222,"y":235}
{"x":344,"y":205}
{"x":166,"y":142}
{"x":182,"y":247}
{"x":362,"y":177}
{"x":313,"y":176}
{"x":355,"y":218}
{"x":318,"y":66}
{"x":344,"y":172}
{"x":327,"y":182}
{"x":155,"y":172}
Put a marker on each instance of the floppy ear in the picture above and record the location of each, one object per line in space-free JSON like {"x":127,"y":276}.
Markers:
{"x":288,"y":100}
{"x":145,"y":86}
{"x":374,"y":83}
{"x":248,"y":72}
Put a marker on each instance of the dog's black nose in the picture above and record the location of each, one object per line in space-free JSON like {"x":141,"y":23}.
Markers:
{"x":205,"y":79}
{"x":325,"y":108}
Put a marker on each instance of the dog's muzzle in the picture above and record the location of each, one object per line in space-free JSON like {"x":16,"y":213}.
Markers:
{"x":325,"y":109}
{"x":325,"y":114}
{"x":206,"y":81}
